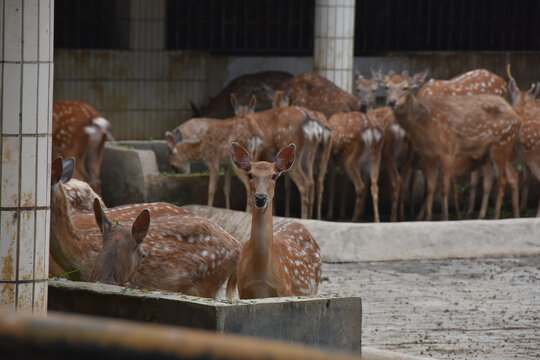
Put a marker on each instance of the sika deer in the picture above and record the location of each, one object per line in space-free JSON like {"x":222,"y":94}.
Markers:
{"x":212,"y":148}
{"x":185,"y":253}
{"x":357,"y":143}
{"x":277,"y":260}
{"x":527,"y":144}
{"x":474,"y":82}
{"x":80,"y":131}
{"x":121,"y":253}
{"x":308,"y":130}
{"x":482,"y":126}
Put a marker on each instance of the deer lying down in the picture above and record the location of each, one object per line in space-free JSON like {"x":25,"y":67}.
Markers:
{"x":121,"y":252}
{"x":185,"y":253}
{"x":277,"y":260}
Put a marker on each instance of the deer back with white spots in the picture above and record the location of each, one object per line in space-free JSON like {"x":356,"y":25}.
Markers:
{"x":184,"y":253}
{"x":442,"y":128}
{"x":474,"y":82}
{"x":281,"y":259}
{"x":80,"y":131}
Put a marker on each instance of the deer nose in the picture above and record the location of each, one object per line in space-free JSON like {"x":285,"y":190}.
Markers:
{"x":363,"y":107}
{"x":392,"y":102}
{"x":260,"y":200}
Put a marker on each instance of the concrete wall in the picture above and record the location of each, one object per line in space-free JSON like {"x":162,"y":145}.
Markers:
{"x":144,"y":92}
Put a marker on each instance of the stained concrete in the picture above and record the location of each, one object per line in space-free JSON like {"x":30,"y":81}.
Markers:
{"x":343,"y":242}
{"x":326,"y":321}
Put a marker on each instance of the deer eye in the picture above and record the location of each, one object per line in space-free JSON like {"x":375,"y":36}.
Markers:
{"x":274,"y":177}
{"x":250,"y":176}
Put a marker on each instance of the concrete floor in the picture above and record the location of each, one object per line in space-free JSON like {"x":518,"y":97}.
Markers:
{"x":449,"y":309}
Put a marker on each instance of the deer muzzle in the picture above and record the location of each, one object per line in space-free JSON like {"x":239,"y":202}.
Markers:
{"x":260,"y":200}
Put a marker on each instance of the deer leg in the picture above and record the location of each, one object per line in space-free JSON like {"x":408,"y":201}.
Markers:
{"x":456,"y":198}
{"x":374,"y":176}
{"x":342,"y":200}
{"x":323,"y":165}
{"x":227,"y":187}
{"x":331,"y":190}
{"x":535,"y":171}
{"x":300,"y":179}
{"x":487,"y":184}
{"x":396,"y":181}
{"x":353,"y":171}
{"x":500,"y":174}
{"x":431,"y":174}
{"x":526,"y":183}
{"x":288,"y":196}
{"x":513,"y":183}
{"x":474,"y":179}
{"x":212,"y":181}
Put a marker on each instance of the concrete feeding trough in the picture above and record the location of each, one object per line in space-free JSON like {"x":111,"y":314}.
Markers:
{"x":325,"y":321}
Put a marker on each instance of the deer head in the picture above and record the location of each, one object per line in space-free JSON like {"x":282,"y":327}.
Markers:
{"x":121,"y":254}
{"x":242,"y":110}
{"x":279,"y":98}
{"x":262,"y":175}
{"x":367,"y":89}
{"x":517,"y":96}
{"x":177,"y":159}
{"x":398,"y":87}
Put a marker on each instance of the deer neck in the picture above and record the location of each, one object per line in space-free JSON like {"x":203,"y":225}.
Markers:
{"x":66,"y":243}
{"x":262,"y":237}
{"x":193,"y":151}
{"x":411,"y":114}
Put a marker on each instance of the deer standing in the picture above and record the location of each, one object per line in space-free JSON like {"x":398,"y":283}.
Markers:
{"x":527,"y":144}
{"x":277,"y":260}
{"x":80,"y":131}
{"x":474,"y":82}
{"x":324,"y":138}
{"x":212,"y":148}
{"x":482,"y":126}
{"x":121,"y":252}
{"x":185,"y":253}
{"x":308,"y":130}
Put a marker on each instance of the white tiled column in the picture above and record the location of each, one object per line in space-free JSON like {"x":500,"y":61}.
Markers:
{"x":334,"y":41}
{"x":26,"y":79}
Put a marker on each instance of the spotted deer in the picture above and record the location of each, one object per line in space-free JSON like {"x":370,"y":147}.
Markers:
{"x":308,"y":130}
{"x":474,"y":82}
{"x":184,"y":253}
{"x":443,"y":128}
{"x":80,"y":131}
{"x":121,"y":252}
{"x":397,"y":152}
{"x":528,"y":141}
{"x":212,"y":148}
{"x":279,"y":259}
{"x":357,"y":144}
{"x":281,"y":99}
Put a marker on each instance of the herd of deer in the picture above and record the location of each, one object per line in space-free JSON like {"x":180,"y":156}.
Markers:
{"x":449,"y":129}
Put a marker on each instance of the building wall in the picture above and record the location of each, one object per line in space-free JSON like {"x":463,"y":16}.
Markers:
{"x":144,"y":92}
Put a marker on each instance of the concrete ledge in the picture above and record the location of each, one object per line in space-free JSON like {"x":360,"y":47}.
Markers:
{"x":342,"y":242}
{"x":325,"y":321}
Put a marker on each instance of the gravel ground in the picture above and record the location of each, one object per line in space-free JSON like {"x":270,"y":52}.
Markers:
{"x":448,"y":309}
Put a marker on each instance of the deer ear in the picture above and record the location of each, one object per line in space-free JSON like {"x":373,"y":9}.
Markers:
{"x":419,"y":78}
{"x":101,"y":219}
{"x":240,"y":157}
{"x":285,"y":158}
{"x":56,"y":170}
{"x":68,"y":168}
{"x":234,"y":102}
{"x":252,"y":103}
{"x":269,"y":91}
{"x":533,"y":91}
{"x":140,"y":226}
{"x":513,"y":90}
